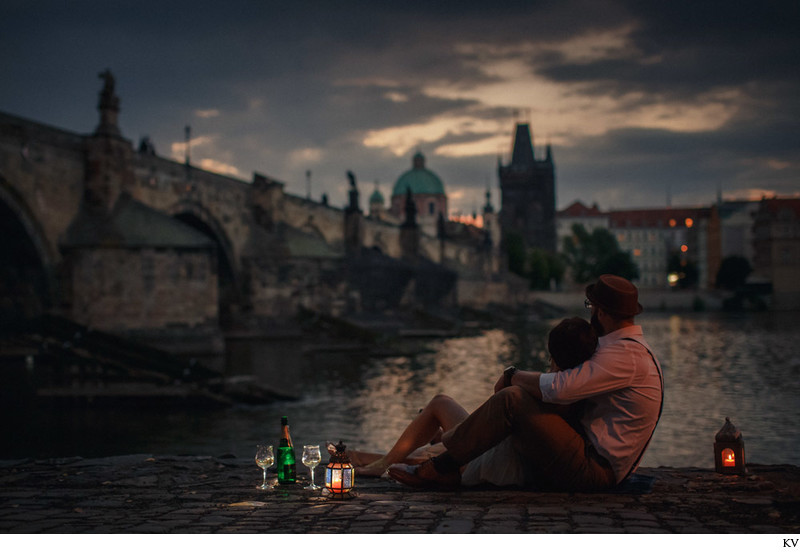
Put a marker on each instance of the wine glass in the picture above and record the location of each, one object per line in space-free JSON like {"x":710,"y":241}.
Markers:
{"x":265,"y":457}
{"x":311,"y":458}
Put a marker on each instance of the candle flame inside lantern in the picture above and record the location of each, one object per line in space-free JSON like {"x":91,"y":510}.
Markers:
{"x":728,"y":458}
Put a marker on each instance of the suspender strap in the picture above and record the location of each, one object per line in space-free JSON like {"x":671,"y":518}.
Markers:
{"x":660,"y":408}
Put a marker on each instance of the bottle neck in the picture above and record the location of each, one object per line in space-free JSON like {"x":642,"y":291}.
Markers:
{"x":286,"y":438}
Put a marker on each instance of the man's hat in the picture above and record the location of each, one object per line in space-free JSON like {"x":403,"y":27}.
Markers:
{"x":615,"y":295}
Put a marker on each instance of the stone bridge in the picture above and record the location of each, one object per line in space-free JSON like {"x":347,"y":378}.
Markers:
{"x":115,"y":237}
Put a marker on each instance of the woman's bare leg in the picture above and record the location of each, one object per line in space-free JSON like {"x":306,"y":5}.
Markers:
{"x":441,"y":413}
{"x":360,"y":458}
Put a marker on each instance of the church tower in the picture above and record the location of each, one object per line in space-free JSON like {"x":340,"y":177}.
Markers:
{"x":528,"y":194}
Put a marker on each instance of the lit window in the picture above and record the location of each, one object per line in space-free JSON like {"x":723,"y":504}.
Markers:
{"x":689,"y":223}
{"x":684,"y":248}
{"x":672,"y":223}
{"x":637,"y":252}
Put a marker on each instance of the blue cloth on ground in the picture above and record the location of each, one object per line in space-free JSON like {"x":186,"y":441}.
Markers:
{"x":635,"y":483}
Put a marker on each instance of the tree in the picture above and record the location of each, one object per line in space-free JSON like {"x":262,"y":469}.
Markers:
{"x":543,"y":268}
{"x":732,"y":273}
{"x":538,"y":266}
{"x":515,"y":249}
{"x":591,"y":255}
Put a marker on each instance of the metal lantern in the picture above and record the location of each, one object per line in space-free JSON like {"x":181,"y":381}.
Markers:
{"x":339,"y":473}
{"x":729,"y":450}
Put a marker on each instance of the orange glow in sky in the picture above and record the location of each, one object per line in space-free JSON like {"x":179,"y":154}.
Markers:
{"x":476,"y":221}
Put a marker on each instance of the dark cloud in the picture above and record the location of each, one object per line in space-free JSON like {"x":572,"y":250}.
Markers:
{"x":684,"y":48}
{"x":290,"y":76}
{"x":645,"y":167}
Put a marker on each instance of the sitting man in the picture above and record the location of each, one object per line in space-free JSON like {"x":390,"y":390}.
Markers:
{"x":622,"y":390}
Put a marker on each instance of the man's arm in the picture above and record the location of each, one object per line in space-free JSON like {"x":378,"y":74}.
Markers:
{"x":529,"y":381}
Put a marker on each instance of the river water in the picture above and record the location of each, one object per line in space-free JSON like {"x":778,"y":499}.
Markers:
{"x":715,"y":365}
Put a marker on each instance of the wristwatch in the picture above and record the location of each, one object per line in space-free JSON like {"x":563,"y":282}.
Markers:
{"x":508,"y":373}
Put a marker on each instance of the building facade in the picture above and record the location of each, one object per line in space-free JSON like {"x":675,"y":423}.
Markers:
{"x":652,"y":237}
{"x":776,"y":249}
{"x":578,"y":213}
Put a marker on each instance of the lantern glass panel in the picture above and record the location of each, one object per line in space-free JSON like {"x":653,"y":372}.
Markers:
{"x":339,"y":477}
{"x":332,"y":476}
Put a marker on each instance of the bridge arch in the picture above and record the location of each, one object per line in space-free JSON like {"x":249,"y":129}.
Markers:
{"x":200,"y":218}
{"x":27,"y":275}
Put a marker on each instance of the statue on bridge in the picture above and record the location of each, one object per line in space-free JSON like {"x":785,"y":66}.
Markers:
{"x":108,"y":83}
{"x":108,"y":106}
{"x":353,"y":206}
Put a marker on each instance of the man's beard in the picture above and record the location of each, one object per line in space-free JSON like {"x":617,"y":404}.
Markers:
{"x":598,"y":328}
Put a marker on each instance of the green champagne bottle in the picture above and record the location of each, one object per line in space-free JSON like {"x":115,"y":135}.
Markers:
{"x":287,"y":469}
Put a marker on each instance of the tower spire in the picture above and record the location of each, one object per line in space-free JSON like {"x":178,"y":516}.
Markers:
{"x":488,"y":207}
{"x":523,"y":146}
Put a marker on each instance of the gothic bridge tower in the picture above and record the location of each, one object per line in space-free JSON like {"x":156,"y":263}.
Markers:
{"x":528,"y":202}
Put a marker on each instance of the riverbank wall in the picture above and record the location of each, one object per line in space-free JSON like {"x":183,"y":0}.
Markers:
{"x":651,"y":300}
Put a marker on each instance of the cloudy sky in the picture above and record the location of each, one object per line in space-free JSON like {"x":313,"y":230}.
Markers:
{"x":642,"y":102}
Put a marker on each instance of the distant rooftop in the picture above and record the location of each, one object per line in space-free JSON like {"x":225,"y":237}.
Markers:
{"x":578,"y":209}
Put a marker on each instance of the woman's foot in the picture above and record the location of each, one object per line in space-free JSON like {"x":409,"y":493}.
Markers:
{"x":375,"y":469}
{"x":360,"y":458}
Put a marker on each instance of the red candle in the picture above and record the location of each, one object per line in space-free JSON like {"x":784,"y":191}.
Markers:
{"x":728,"y":458}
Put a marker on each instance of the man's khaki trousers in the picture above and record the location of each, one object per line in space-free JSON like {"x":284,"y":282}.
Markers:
{"x":556,"y":456}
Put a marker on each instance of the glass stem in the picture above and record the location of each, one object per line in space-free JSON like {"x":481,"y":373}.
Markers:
{"x":312,"y":476}
{"x":264,"y":480}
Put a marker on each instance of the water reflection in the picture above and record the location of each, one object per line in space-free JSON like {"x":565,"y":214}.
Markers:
{"x":745,"y":367}
{"x":395,"y":390}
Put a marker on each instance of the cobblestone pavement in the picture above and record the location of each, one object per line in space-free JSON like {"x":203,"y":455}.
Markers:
{"x":183,"y":494}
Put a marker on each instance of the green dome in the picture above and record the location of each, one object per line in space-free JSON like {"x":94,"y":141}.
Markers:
{"x":419,"y":180}
{"x":376,"y":197}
